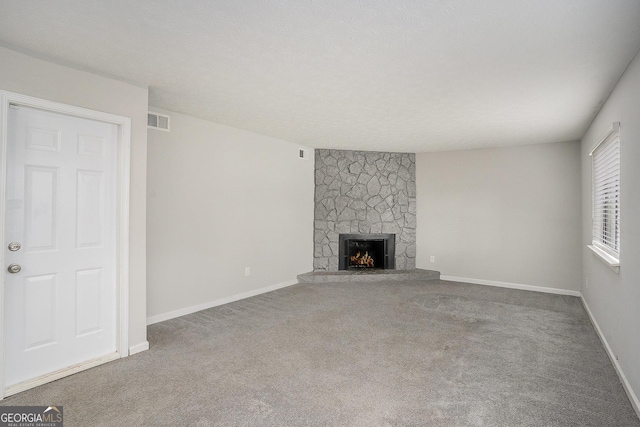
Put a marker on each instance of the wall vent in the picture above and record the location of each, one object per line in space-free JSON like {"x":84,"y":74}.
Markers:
{"x":303,"y":154}
{"x":158,"y":121}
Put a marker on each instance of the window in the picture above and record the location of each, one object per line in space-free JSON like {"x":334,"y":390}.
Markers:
{"x":606,"y":197}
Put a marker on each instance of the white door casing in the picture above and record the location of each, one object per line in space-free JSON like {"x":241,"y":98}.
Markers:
{"x":65,"y":175}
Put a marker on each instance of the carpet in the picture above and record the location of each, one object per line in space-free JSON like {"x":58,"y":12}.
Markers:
{"x":431,"y":353}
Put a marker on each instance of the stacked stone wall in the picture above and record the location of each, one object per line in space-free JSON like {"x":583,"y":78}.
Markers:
{"x":364,"y":192}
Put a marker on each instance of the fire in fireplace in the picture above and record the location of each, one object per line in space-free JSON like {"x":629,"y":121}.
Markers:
{"x":358,"y":260}
{"x":366,"y":251}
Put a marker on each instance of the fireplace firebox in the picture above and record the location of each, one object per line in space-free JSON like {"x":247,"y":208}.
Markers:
{"x":366,"y":251}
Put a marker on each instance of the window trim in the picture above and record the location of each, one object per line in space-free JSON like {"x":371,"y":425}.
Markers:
{"x":606,"y":254}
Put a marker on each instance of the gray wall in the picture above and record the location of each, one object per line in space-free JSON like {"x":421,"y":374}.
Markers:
{"x":507,"y":214}
{"x":220,"y":200}
{"x":30,"y":76}
{"x":614,"y":299}
{"x":364,"y":192}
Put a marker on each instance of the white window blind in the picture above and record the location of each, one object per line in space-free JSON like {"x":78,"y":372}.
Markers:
{"x":606,"y":193}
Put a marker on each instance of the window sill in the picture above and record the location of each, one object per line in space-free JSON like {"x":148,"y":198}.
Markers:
{"x":612,"y":262}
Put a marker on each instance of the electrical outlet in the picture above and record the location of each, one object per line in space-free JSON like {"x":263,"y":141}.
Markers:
{"x":586,"y":282}
{"x":247,"y":271}
{"x":432,"y":258}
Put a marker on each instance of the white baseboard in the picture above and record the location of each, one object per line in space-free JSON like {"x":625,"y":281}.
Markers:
{"x":138,"y":348}
{"x":188,"y":310}
{"x":512,"y":285}
{"x":623,"y":378}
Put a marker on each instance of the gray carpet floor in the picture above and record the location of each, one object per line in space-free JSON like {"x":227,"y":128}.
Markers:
{"x":359,"y":354}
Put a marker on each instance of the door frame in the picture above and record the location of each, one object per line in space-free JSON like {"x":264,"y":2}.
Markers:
{"x":122,"y":227}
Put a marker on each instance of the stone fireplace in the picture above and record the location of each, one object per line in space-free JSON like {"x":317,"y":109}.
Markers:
{"x":363,"y":192}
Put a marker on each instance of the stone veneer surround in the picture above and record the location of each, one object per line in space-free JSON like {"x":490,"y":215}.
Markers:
{"x":364,"y":192}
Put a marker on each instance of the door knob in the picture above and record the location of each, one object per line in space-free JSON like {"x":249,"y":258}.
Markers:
{"x":14,"y":246}
{"x":14,"y":268}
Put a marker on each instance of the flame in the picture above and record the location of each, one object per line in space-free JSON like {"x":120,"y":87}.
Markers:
{"x":362,"y":260}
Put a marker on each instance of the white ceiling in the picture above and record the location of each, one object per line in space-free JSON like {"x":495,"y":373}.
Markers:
{"x":389,"y":75}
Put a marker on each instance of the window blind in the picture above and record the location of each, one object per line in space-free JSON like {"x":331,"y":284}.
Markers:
{"x":606,"y":193}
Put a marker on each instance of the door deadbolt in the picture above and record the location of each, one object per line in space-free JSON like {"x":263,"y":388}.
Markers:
{"x":14,"y":268}
{"x":14,"y":246}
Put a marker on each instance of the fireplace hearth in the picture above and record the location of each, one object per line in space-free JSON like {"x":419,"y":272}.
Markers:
{"x":366,"y":251}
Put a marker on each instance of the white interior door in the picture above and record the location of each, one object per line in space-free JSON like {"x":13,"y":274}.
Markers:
{"x":61,"y":307}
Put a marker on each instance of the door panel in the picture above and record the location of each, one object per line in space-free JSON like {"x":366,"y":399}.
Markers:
{"x":40,"y":199}
{"x":43,"y":139}
{"x":40,"y":311}
{"x":60,"y":309}
{"x":88,"y":301}
{"x":90,"y":197}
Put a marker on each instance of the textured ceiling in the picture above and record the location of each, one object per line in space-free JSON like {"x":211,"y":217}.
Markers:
{"x":391,"y":75}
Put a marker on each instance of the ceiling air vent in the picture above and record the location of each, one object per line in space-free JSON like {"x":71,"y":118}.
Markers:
{"x":158,"y":121}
